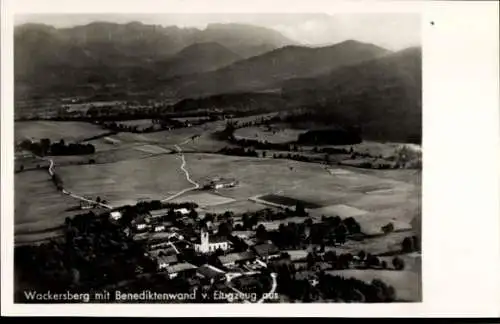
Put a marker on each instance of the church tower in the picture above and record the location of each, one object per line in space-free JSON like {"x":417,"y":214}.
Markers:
{"x":204,"y":246}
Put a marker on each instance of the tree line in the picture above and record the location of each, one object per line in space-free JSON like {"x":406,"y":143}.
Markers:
{"x":330,"y":287}
{"x":46,"y":147}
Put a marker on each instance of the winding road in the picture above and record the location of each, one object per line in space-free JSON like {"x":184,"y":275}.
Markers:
{"x":195,"y":184}
{"x":230,"y":277}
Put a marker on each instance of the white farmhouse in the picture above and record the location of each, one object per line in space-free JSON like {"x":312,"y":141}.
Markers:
{"x":116,"y":215}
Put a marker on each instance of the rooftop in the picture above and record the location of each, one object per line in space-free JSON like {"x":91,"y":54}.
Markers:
{"x":183,"y":211}
{"x":209,"y":271}
{"x":234,"y":257}
{"x":266,"y":249}
{"x":159,"y":212}
{"x":180,"y":267}
{"x":168,"y":259}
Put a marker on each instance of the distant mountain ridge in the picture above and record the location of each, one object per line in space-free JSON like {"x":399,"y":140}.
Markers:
{"x":263,"y":71}
{"x":197,"y":58}
{"x":42,"y":51}
{"x":382,"y":96}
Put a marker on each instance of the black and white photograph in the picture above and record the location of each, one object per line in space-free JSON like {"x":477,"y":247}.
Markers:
{"x":218,"y":158}
{"x":259,"y":158}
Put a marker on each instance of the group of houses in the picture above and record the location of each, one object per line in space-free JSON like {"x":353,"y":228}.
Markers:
{"x":166,"y":244}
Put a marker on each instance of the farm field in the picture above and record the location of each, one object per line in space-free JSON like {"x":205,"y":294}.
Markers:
{"x":287,"y":201}
{"x":347,"y":194}
{"x":204,"y":199}
{"x":29,"y":162}
{"x":152,"y":178}
{"x":237,"y":207}
{"x":38,"y":205}
{"x":55,"y":130}
{"x":122,"y":153}
{"x":135,"y":122}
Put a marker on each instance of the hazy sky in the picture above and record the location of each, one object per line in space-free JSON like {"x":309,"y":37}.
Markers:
{"x":392,"y":31}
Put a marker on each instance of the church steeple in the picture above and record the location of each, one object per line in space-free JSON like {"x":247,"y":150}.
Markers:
{"x":204,"y":240}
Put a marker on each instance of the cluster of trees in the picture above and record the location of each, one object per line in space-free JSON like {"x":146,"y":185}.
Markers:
{"x":130,"y":213}
{"x":334,"y":136}
{"x":92,"y":253}
{"x":239,"y":151}
{"x":330,"y":287}
{"x":251,"y":219}
{"x":410,"y":244}
{"x":343,"y":261}
{"x":295,"y":157}
{"x":119,"y":127}
{"x":58,"y":182}
{"x":45,"y":147}
{"x":71,"y":149}
{"x":157,"y":124}
{"x":331,"y":231}
{"x":264,"y":145}
{"x":258,"y":284}
{"x":333,"y":150}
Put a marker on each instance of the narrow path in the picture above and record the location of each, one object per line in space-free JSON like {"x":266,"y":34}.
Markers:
{"x":66,"y":192}
{"x":195,"y":184}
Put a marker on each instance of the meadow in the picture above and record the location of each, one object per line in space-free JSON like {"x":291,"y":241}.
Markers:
{"x":55,"y":130}
{"x":129,"y":180}
{"x":39,"y":207}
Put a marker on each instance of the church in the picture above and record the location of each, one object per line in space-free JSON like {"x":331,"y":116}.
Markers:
{"x":209,"y":244}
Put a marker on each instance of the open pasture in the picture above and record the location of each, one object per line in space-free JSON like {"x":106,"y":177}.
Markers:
{"x":117,"y":154}
{"x":153,"y":149}
{"x":136,"y":122}
{"x":341,"y":210}
{"x":342,"y":194}
{"x":55,"y":130}
{"x":287,"y":201}
{"x":237,"y":207}
{"x":38,"y":205}
{"x":29,"y":162}
{"x":203,"y":199}
{"x":152,"y":178}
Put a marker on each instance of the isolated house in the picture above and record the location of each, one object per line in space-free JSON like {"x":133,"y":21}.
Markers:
{"x":116,"y":215}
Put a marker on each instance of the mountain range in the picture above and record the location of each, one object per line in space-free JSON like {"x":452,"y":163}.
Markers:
{"x":43,"y":53}
{"x":228,"y":66}
{"x":264,"y":71}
